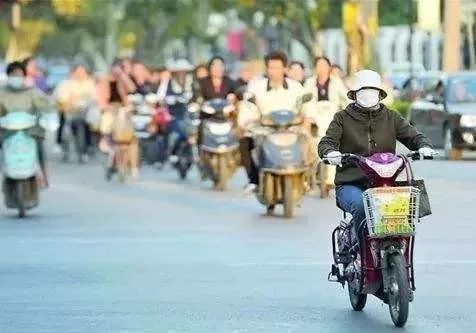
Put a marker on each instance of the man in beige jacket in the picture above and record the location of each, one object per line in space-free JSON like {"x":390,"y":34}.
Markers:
{"x":275,"y":92}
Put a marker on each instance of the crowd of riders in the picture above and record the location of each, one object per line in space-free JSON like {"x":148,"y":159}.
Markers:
{"x":90,"y":106}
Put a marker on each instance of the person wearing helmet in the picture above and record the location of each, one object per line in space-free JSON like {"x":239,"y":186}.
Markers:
{"x":364,"y":127}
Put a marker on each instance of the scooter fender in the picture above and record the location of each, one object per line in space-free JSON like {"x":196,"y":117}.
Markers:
{"x":219,"y":137}
{"x":385,"y":254}
{"x":282,"y":151}
{"x":20,"y":156}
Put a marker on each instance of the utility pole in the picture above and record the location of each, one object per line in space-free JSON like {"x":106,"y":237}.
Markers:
{"x":452,"y":36}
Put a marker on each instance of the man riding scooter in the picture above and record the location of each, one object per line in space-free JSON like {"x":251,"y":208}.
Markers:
{"x":274,"y":92}
{"x":18,"y":97}
{"x":178,"y":95}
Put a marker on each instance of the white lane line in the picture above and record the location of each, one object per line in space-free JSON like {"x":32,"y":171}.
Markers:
{"x":327,"y":263}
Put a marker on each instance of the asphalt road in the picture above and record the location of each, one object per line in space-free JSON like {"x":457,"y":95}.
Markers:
{"x":161,"y":255}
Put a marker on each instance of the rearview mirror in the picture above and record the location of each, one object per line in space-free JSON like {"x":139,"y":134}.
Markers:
{"x":306,"y":97}
{"x":249,"y":97}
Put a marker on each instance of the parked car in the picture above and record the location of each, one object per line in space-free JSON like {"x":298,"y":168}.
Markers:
{"x":415,"y":86}
{"x":447,"y":113}
{"x":399,"y":73}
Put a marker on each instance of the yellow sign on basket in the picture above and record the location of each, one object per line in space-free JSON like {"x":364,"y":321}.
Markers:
{"x":393,"y":207}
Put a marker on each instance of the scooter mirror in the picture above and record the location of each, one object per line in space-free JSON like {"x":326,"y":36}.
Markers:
{"x":306,"y":97}
{"x":193,"y":108}
{"x":249,"y":97}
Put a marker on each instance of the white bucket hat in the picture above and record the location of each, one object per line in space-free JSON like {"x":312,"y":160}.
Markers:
{"x":367,"y":79}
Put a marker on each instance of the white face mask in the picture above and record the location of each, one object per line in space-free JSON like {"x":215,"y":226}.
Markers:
{"x":367,"y":97}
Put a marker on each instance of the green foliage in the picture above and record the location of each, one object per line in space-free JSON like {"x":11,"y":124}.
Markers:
{"x":401,"y":107}
{"x":394,"y":12}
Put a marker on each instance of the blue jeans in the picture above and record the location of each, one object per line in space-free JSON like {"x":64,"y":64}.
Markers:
{"x":349,"y":198}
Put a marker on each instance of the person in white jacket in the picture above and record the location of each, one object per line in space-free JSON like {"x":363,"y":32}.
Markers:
{"x":274,"y":92}
{"x":329,"y":97}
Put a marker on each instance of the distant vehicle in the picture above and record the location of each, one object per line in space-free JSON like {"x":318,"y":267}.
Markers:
{"x":447,"y":113}
{"x":3,"y":75}
{"x":56,"y":74}
{"x":399,"y":73}
{"x":415,"y":86}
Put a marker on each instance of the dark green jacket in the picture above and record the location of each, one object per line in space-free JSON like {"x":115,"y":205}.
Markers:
{"x":365,"y":132}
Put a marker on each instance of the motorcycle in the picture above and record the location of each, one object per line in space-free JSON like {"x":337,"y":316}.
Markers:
{"x":323,"y":175}
{"x":280,"y":158}
{"x":75,"y":132}
{"x":179,"y":138}
{"x":21,"y":159}
{"x":219,"y":148}
{"x":142,"y":118}
{"x":380,"y":261}
{"x":124,"y":152}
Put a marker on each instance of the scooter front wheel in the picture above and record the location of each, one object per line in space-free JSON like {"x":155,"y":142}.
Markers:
{"x":20,"y":196}
{"x":398,"y":290}
{"x":222,"y":173}
{"x":288,"y":196}
{"x":357,"y":300}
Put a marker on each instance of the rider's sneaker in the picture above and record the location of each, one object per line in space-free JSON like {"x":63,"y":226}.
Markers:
{"x":135,"y":174}
{"x":84,"y":158}
{"x":57,"y":150}
{"x":173,"y":159}
{"x":109,"y":173}
{"x":250,"y":188}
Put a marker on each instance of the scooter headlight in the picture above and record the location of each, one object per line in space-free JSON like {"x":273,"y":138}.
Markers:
{"x":208,"y":109}
{"x":283,"y":139}
{"x":468,"y":120}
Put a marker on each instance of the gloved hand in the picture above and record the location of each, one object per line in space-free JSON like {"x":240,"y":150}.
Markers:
{"x":334,"y":158}
{"x":427,"y":152}
{"x":170,"y":100}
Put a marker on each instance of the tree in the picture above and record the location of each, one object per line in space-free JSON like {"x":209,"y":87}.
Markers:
{"x":297,"y":19}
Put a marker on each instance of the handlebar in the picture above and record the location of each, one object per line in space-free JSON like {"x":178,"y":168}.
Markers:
{"x":348,"y":158}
